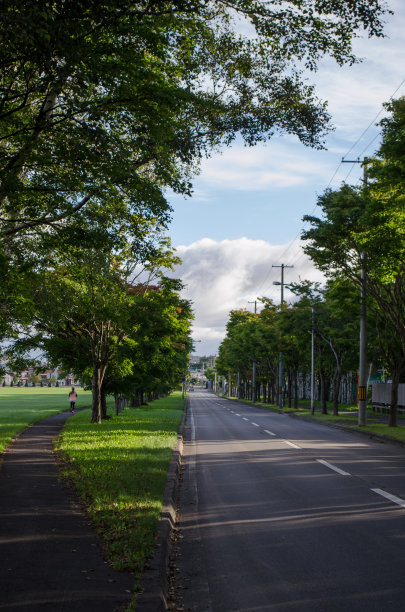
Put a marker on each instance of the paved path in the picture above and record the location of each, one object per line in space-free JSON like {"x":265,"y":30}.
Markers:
{"x":49,"y":553}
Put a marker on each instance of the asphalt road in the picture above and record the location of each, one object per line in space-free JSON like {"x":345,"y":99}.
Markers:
{"x":281,"y":514}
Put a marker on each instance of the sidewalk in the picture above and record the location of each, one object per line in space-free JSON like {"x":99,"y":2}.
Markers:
{"x":49,"y":554}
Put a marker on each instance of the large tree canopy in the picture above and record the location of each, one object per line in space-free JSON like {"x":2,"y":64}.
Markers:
{"x":113,"y":334}
{"x":370,"y":220}
{"x":103,"y":104}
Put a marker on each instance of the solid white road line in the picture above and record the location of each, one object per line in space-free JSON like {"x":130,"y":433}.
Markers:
{"x":255,"y":424}
{"x":291,"y":444}
{"x":393,"y":498}
{"x":333,"y":467}
{"x":269,"y":432}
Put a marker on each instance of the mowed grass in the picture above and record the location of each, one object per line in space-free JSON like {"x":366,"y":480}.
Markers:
{"x":22,"y":406}
{"x":119,"y":469}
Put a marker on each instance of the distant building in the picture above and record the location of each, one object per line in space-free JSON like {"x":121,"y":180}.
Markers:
{"x":47,"y":376}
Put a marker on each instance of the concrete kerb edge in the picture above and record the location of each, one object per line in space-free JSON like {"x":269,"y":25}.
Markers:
{"x":153,"y":596}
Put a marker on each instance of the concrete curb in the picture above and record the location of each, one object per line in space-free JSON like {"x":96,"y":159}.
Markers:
{"x":154,"y":580}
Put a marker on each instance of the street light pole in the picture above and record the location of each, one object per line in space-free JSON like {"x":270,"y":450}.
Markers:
{"x":312,"y":366}
{"x":280,"y":356}
{"x":254,"y":369}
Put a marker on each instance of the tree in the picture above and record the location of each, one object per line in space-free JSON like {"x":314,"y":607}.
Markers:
{"x":234,"y":355}
{"x":103,"y":106}
{"x":370,"y":220}
{"x":112,"y":333}
{"x":154,"y":355}
{"x":295,"y":324}
{"x":260,"y":338}
{"x":117,"y":100}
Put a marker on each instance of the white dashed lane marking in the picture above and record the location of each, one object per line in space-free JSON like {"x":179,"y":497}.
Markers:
{"x":291,"y":444}
{"x":333,"y":467}
{"x":393,"y":498}
{"x":389,"y":496}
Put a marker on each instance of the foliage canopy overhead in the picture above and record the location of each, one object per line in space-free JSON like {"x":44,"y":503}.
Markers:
{"x":109,"y":102}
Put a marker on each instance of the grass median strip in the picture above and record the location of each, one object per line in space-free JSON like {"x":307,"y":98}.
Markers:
{"x":119,"y":469}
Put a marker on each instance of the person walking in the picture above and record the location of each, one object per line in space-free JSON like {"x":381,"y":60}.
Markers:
{"x":72,"y":399}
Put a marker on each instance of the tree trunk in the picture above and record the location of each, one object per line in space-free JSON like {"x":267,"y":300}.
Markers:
{"x":289,"y":388}
{"x":324,"y":408}
{"x":392,"y":421}
{"x":103,"y":401}
{"x":296,"y":389}
{"x":96,"y":388}
{"x":336,"y":385}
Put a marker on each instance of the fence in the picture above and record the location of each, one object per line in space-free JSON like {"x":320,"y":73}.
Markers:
{"x":381,"y":394}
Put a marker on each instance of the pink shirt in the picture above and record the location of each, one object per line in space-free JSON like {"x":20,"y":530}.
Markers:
{"x":72,"y":396}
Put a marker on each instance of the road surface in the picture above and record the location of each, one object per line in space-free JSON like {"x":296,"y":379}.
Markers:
{"x":285,"y":515}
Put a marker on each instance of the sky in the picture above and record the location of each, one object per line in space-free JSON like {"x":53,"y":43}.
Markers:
{"x":245,"y":214}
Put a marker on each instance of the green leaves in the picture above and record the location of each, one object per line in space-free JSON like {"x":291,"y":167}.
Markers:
{"x":371,"y":220}
{"x":115,"y":102}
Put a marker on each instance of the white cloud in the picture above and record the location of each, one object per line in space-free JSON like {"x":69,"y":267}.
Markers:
{"x":356,"y":93}
{"x":277,"y":164}
{"x":275,"y":184}
{"x":222,"y":276}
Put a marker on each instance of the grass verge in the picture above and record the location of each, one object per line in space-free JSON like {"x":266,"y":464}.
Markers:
{"x":23,"y":406}
{"x":347,"y":417}
{"x":119,"y":469}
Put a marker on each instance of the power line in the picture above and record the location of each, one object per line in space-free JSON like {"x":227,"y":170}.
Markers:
{"x":288,"y":247}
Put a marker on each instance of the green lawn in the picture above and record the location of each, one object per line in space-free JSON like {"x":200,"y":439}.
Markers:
{"x":22,"y":406}
{"x":119,"y":469}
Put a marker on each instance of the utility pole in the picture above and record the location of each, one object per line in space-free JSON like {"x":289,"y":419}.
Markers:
{"x":254,"y":368}
{"x":362,"y":389}
{"x":312,"y":366}
{"x":280,"y":356}
{"x":362,"y":385}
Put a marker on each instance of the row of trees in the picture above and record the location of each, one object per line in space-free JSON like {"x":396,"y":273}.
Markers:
{"x":116,"y":336}
{"x":259,"y":339}
{"x":358,"y":241}
{"x":104,"y":106}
